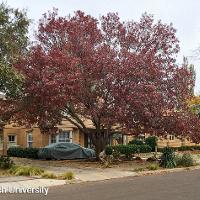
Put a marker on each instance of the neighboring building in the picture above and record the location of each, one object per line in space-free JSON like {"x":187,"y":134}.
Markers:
{"x":169,"y":140}
{"x":173,"y":141}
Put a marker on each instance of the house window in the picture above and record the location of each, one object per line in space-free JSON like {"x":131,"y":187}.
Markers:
{"x":63,"y":136}
{"x":90,"y":144}
{"x":12,"y":138}
{"x":53,"y":139}
{"x":30,"y":140}
{"x":171,"y":137}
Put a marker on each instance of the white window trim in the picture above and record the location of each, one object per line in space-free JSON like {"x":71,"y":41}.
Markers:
{"x":57,"y":137}
{"x":27,"y":139}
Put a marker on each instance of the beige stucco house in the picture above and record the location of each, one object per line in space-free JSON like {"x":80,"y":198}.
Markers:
{"x":14,"y":135}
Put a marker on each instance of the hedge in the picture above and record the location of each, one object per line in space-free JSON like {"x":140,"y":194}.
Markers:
{"x":128,"y":150}
{"x":23,"y":152}
{"x":136,"y":142}
{"x":152,"y":142}
{"x":182,"y":148}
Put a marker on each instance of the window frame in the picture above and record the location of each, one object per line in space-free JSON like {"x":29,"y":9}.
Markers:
{"x":57,"y":137}
{"x":171,"y":137}
{"x":29,"y":141}
{"x":12,"y":135}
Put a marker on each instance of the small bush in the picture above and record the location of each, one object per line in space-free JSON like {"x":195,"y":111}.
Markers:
{"x":109,"y":150}
{"x":152,"y":142}
{"x":49,"y":175}
{"x":144,"y":148}
{"x":178,"y":160}
{"x":23,"y":152}
{"x":5,"y":162}
{"x":68,"y":176}
{"x":153,"y":167}
{"x":26,"y":171}
{"x":167,"y":159}
{"x":136,"y":142}
{"x":186,"y":160}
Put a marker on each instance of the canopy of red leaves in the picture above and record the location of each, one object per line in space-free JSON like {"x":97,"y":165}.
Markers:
{"x":106,"y":70}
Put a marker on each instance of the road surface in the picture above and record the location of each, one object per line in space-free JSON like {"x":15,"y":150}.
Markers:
{"x":171,"y":186}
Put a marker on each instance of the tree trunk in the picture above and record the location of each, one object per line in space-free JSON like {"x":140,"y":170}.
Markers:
{"x":100,"y":140}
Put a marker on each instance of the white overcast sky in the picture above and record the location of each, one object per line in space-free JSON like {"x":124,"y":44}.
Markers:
{"x":184,"y":14}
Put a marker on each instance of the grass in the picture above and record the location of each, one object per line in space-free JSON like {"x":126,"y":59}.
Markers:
{"x":4,"y":173}
{"x":139,"y":169}
{"x":153,"y":167}
{"x":67,"y":176}
{"x":49,"y":175}
{"x":25,"y":171}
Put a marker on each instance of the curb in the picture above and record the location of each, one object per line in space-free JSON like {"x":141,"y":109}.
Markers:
{"x":163,"y":171}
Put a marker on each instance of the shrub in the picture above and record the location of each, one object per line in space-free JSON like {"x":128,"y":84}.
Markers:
{"x":5,"y":162}
{"x":152,"y":142}
{"x":186,"y":160}
{"x":178,"y":160}
{"x":128,"y":150}
{"x":153,"y":167}
{"x":68,"y":176}
{"x":23,"y":152}
{"x":185,"y":148}
{"x":136,"y":142}
{"x":144,"y":148}
{"x":26,"y":171}
{"x":109,"y":150}
{"x":168,"y":158}
{"x":49,"y":175}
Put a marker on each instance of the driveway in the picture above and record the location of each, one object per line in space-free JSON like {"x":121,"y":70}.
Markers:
{"x":173,"y":186}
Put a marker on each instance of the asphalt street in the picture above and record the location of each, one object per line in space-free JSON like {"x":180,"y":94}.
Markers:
{"x":171,"y":186}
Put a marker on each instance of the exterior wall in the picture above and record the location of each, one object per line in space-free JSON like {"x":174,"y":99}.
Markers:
{"x":169,"y":140}
{"x":176,"y":142}
{"x":39,"y":139}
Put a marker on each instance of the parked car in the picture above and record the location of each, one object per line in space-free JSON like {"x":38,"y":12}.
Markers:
{"x":65,"y":151}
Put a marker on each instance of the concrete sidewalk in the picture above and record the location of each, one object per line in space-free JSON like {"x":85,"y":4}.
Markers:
{"x":28,"y":182}
{"x":80,"y":176}
{"x":101,"y":174}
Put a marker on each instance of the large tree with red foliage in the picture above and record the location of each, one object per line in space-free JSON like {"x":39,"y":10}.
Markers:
{"x":114,"y":73}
